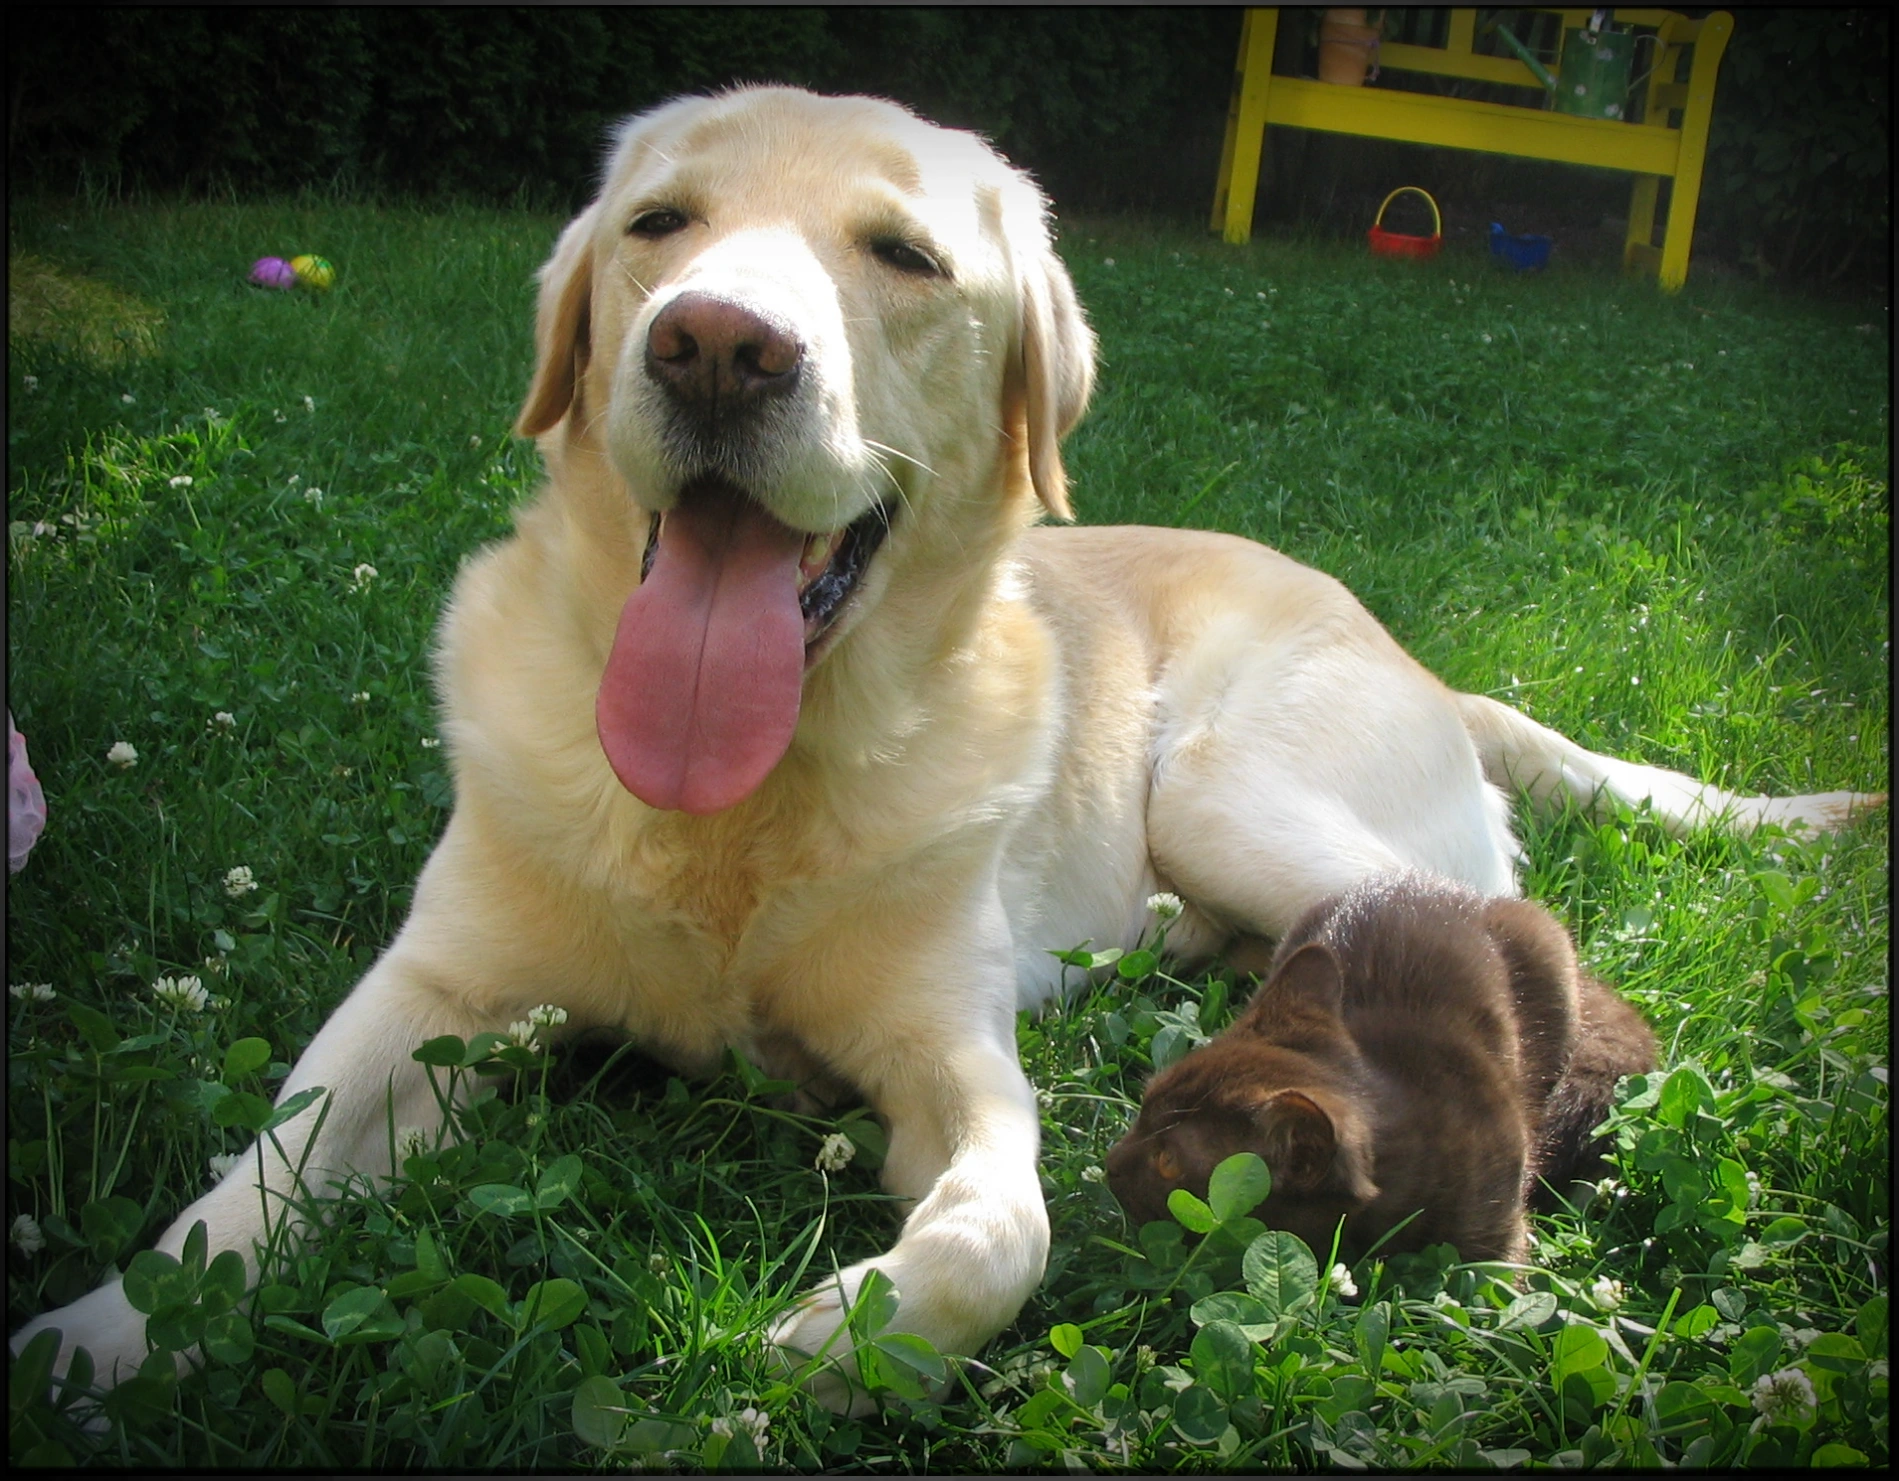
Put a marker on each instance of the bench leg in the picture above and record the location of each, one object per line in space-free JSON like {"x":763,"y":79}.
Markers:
{"x":1246,"y":128}
{"x":1638,"y":249}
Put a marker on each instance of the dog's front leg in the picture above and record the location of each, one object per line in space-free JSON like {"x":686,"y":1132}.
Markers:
{"x":964,"y":1137}
{"x":363,"y":1057}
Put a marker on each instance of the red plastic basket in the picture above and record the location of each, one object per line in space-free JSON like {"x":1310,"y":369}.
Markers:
{"x":1400,"y":244}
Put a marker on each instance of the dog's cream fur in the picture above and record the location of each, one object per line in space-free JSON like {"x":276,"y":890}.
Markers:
{"x":1013,"y":738}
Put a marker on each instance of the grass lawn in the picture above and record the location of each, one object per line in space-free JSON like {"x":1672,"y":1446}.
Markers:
{"x":1660,"y":525}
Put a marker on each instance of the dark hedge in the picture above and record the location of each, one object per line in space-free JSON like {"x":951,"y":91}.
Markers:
{"x":1113,"y":108}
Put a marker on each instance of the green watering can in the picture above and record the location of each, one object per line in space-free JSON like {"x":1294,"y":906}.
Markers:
{"x":1593,"y":80}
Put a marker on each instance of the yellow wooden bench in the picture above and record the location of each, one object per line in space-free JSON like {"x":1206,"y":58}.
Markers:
{"x":1658,"y":148}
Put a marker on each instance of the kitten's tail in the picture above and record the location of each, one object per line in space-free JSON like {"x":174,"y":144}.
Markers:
{"x":1518,"y":753}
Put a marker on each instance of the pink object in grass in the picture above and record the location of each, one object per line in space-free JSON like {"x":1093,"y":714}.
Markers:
{"x":26,"y":804}
{"x":273,"y":272}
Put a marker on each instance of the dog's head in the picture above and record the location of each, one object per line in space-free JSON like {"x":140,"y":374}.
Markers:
{"x":801,"y":331}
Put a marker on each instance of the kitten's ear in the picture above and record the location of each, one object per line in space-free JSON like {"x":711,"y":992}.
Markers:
{"x":1308,"y":983}
{"x":1300,"y":1143}
{"x":1297,"y":1140}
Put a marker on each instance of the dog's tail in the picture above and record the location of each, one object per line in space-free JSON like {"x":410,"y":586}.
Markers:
{"x":1518,"y":753}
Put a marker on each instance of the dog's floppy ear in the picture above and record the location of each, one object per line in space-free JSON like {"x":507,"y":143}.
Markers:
{"x":1056,"y":348}
{"x":562,"y":328}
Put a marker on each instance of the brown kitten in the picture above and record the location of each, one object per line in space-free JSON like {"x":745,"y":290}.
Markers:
{"x":1398,"y":1060}
{"x":1611,"y":1041}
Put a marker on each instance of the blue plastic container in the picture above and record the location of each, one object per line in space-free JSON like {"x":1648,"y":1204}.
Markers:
{"x":1523,"y":251}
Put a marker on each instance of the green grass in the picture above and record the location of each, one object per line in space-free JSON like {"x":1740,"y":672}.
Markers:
{"x":1658,"y":524}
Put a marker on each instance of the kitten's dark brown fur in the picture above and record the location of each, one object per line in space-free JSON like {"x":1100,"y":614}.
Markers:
{"x":1415,"y":1049}
{"x":1611,"y":1041}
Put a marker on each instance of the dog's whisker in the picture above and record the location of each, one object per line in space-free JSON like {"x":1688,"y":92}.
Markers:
{"x":884,"y":447}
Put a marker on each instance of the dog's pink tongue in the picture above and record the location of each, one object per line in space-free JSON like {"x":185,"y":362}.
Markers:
{"x":700,"y":694}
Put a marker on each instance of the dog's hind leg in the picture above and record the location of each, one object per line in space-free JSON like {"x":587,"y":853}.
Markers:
{"x":1518,"y":752}
{"x":1284,"y":774}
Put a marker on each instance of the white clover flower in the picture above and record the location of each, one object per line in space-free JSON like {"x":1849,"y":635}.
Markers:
{"x":217,"y":965}
{"x":32,"y":383}
{"x":474,"y":439}
{"x":759,"y":1423}
{"x":123,"y":754}
{"x":182,"y":481}
{"x":221,"y":1164}
{"x":1342,"y":1282}
{"x":186,"y":994}
{"x":521,"y":1034}
{"x":835,"y":1154}
{"x":278,"y":416}
{"x":361,"y":697}
{"x":722,"y":1427}
{"x":1045,"y":1100}
{"x":127,"y":397}
{"x":1094,"y":1174}
{"x":309,"y":403}
{"x":26,"y":1235}
{"x":363,"y":575}
{"x":1485,"y":338}
{"x":547,"y":1016}
{"x":239,"y":881}
{"x":1166,"y":905}
{"x":222,"y":720}
{"x":430,"y":743}
{"x":1606,"y":1293}
{"x":657,"y":1263}
{"x":313,"y":496}
{"x":1787,"y":1395}
{"x":39,"y":992}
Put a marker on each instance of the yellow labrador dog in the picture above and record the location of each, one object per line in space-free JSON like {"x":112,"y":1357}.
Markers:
{"x":776,"y":725}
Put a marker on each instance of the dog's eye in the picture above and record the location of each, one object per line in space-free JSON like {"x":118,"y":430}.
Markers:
{"x":906,"y":257}
{"x":1167,"y":1165}
{"x":662,"y":221}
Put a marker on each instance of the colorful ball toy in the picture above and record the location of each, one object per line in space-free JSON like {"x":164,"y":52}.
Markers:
{"x":313,"y":272}
{"x":273,"y":272}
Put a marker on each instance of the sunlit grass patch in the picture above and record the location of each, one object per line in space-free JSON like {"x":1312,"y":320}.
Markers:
{"x":81,"y":315}
{"x":1660,"y":525}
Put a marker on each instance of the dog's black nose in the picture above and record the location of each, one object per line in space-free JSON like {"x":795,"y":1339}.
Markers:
{"x":717,"y":356}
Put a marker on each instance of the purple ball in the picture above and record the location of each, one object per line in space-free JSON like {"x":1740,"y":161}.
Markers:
{"x":273,"y":272}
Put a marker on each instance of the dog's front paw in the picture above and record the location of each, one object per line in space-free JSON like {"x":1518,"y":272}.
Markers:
{"x":104,"y":1323}
{"x":814,"y":1340}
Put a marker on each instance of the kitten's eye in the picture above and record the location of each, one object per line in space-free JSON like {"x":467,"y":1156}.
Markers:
{"x":906,"y":257}
{"x":662,"y":221}
{"x":1167,"y":1165}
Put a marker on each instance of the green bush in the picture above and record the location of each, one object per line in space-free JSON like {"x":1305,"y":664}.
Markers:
{"x":1799,"y":159}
